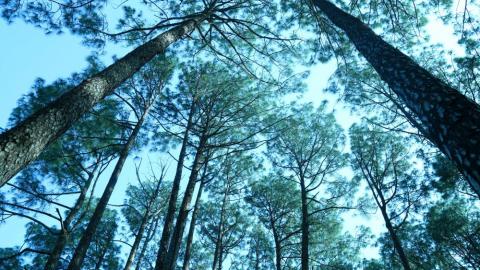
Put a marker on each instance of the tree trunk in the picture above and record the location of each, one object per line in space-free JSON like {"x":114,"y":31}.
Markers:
{"x":172,"y":203}
{"x":191,"y":229}
{"x":143,"y":224}
{"x":396,"y":241}
{"x":151,"y":232}
{"x":62,"y":239}
{"x":136,"y":242}
{"x":450,"y":120}
{"x":278,"y":251}
{"x":305,"y":226}
{"x":103,"y":252}
{"x":24,"y":142}
{"x":177,"y":235}
{"x":81,"y":249}
{"x":217,"y":256}
{"x":277,"y":241}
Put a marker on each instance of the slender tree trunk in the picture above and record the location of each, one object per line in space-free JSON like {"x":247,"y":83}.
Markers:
{"x":81,"y":249}
{"x":104,"y":251}
{"x":24,"y":142}
{"x":220,"y":256}
{"x":217,"y":257}
{"x":172,"y":203}
{"x":136,"y":242}
{"x":396,"y":241}
{"x":257,"y":257}
{"x":305,"y":226}
{"x":278,"y":252}
{"x":277,"y":242}
{"x":99,"y":262}
{"x":177,"y":235}
{"x":151,"y":232}
{"x":143,"y":225}
{"x":62,"y":239}
{"x":449,"y":119}
{"x":191,"y":229}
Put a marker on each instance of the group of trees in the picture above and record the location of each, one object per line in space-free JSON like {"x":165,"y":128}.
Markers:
{"x":259,"y":182}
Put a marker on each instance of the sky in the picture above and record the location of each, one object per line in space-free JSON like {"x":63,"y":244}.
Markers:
{"x":26,"y":53}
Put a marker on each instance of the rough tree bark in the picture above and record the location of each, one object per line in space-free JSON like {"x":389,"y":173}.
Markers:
{"x":81,"y":249}
{"x":24,"y":142}
{"x":172,"y":203}
{"x":177,"y":235}
{"x":449,"y":119}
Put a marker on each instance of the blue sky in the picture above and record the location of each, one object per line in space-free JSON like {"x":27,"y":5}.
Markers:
{"x":26,"y":54}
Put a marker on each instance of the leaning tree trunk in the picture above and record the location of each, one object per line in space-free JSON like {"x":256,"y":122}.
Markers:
{"x":143,"y":225}
{"x":172,"y":203}
{"x":450,"y":120}
{"x":81,"y":249}
{"x":177,"y":235}
{"x":24,"y":142}
{"x":151,"y":232}
{"x":62,"y":239}
{"x":396,"y":241}
{"x":191,"y":229}
{"x":136,"y":242}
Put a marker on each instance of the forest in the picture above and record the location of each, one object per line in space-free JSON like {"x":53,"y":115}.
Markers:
{"x":203,"y":147}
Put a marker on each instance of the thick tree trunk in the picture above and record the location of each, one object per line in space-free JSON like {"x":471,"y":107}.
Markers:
{"x":191,"y":229}
{"x":172,"y":203}
{"x":62,"y":239}
{"x":151,"y":232}
{"x":305,"y":226}
{"x":177,"y":235}
{"x":24,"y":142}
{"x":396,"y":241}
{"x":136,"y":242}
{"x":81,"y":249}
{"x":449,"y":119}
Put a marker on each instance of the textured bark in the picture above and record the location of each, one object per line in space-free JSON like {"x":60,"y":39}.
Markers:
{"x":177,"y":235}
{"x":396,"y":241}
{"x":191,"y":229}
{"x":172,"y":203}
{"x":62,"y":239}
{"x":81,"y":249}
{"x":449,"y":119}
{"x":24,"y":142}
{"x":305,"y":225}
